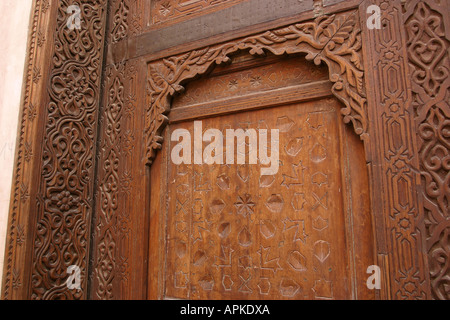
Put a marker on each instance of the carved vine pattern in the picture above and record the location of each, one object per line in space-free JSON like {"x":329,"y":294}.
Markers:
{"x":110,"y":183}
{"x":334,"y":40}
{"x":112,"y":220}
{"x":65,"y":195}
{"x":429,"y":60}
{"x":120,"y":28}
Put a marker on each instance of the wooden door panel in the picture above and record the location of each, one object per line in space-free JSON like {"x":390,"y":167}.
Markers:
{"x":233,"y":234}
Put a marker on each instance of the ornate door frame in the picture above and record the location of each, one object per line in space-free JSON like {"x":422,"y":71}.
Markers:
{"x":77,"y":167}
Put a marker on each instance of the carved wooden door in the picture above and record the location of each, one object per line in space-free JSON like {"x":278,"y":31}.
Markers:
{"x":95,"y":186}
{"x":226,"y":231}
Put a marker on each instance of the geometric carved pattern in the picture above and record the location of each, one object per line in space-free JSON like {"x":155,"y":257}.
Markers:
{"x":334,"y":40}
{"x":275,"y":241}
{"x":398,"y":156}
{"x":429,"y":60}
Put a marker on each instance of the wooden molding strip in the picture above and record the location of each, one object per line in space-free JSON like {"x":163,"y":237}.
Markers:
{"x":266,"y":99}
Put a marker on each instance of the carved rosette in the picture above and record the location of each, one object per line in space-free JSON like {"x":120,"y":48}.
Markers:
{"x":334,"y":40}
{"x":429,"y":60}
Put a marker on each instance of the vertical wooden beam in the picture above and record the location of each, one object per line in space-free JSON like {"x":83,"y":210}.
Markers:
{"x":428,"y":51}
{"x":394,"y":156}
{"x":49,"y":223}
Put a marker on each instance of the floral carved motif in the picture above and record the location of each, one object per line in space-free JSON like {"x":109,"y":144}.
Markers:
{"x":109,"y":185}
{"x":112,"y":221}
{"x":120,"y":26}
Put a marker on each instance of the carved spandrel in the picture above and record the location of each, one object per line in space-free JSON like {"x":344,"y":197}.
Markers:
{"x":334,"y":40}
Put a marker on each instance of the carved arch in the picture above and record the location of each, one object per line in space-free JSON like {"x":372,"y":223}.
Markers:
{"x":334,"y":40}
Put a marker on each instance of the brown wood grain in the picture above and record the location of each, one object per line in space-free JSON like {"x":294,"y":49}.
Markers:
{"x":235,"y":235}
{"x":94,"y":185}
{"x":305,"y":233}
